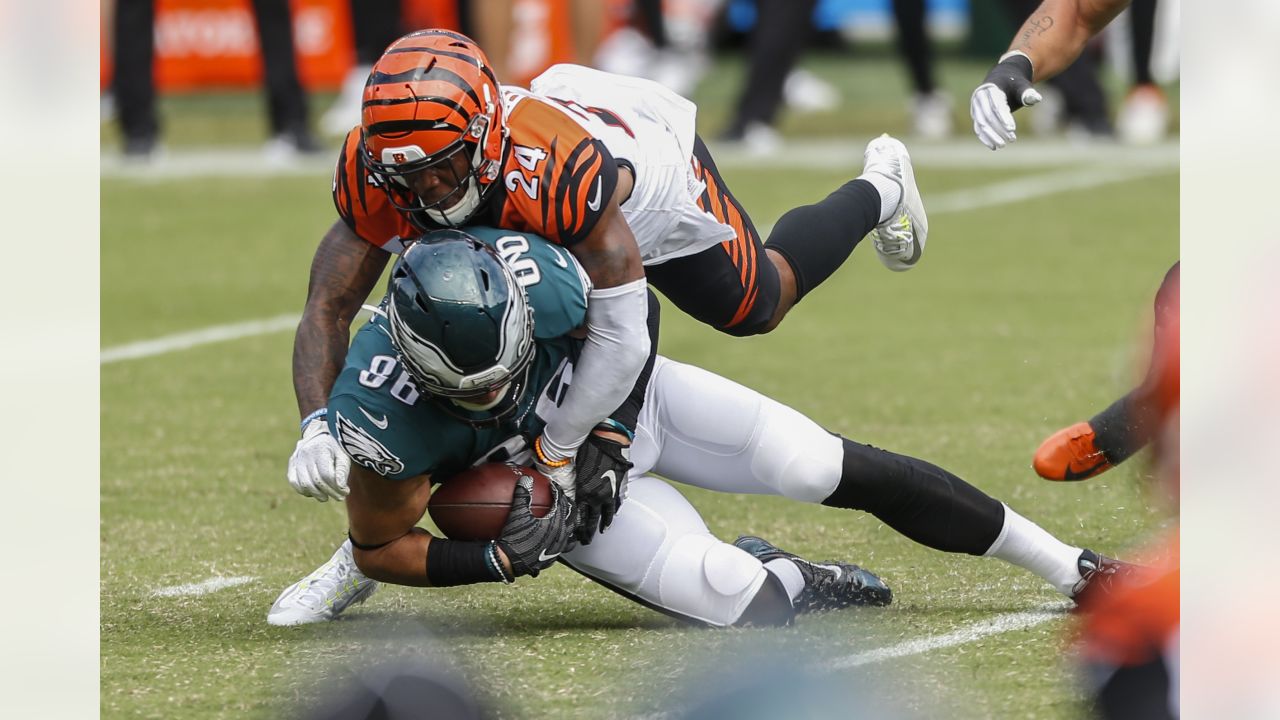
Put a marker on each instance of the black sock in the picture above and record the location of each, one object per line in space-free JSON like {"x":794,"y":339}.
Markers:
{"x":770,"y":607}
{"x":816,"y":239}
{"x":1119,"y":431}
{"x":1142,"y":30}
{"x":920,"y":500}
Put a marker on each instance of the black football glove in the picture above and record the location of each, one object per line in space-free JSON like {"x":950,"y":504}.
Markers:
{"x":602,"y":466}
{"x":532,"y":544}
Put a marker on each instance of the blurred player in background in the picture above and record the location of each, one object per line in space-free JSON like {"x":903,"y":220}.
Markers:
{"x":781,"y":32}
{"x":1144,"y":116}
{"x":1129,"y":643}
{"x":1049,"y":41}
{"x":375,"y":24}
{"x":1090,"y":448}
{"x":608,"y":167}
{"x":133,"y":81}
{"x":460,"y":366}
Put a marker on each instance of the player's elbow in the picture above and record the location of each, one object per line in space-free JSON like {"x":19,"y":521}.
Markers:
{"x":635,"y":352}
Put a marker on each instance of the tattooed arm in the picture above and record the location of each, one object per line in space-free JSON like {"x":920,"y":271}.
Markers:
{"x":343,"y":272}
{"x":1056,"y":33}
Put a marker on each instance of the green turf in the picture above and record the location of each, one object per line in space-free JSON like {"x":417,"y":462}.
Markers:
{"x":1021,"y":318}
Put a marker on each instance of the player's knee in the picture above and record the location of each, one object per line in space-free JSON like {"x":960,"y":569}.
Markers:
{"x":809,"y":479}
{"x":763,"y":316}
{"x":796,"y":456}
{"x":763,"y":304}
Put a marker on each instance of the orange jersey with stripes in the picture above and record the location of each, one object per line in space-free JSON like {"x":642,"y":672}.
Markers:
{"x":556,"y":180}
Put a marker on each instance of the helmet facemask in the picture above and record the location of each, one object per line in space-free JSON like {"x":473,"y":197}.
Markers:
{"x":398,"y":159}
{"x":463,"y":327}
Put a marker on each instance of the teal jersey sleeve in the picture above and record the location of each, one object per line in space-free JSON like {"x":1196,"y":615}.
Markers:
{"x":556,"y":284}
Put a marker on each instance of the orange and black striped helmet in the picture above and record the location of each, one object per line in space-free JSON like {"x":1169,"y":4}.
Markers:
{"x":430,"y":96}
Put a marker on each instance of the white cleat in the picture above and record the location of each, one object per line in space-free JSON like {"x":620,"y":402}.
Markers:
{"x":899,"y":241}
{"x":325,"y":593}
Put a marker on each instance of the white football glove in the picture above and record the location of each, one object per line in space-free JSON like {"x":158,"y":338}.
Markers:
{"x":1005,"y":89}
{"x":319,"y":467}
{"x":565,"y":477}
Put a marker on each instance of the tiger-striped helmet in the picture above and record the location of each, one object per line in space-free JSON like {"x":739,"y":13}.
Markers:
{"x":430,"y":96}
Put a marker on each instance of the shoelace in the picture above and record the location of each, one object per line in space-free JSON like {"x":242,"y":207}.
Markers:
{"x":321,"y":584}
{"x":1099,"y":578}
{"x":894,"y":238}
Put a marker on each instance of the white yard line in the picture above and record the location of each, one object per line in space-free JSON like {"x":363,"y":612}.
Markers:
{"x":183,"y":341}
{"x":1009,"y":622}
{"x":984,"y":196}
{"x":1035,"y":186}
{"x":964,"y":153}
{"x":213,"y":584}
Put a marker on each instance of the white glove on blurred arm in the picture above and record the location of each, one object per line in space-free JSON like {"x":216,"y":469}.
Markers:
{"x":1005,"y":89}
{"x":319,"y":467}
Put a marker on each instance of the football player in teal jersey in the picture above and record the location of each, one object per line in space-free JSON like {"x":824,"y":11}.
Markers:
{"x":470,"y":355}
{"x":464,"y":360}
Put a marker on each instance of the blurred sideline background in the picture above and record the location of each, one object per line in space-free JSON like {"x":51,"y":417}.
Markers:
{"x":861,"y":67}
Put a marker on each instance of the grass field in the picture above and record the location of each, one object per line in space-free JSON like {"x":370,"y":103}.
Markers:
{"x":1025,"y":315}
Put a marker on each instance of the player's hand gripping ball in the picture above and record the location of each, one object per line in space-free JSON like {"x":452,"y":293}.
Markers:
{"x":475,"y":504}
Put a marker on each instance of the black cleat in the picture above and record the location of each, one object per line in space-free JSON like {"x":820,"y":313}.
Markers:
{"x":827,"y":585}
{"x":1101,"y":575}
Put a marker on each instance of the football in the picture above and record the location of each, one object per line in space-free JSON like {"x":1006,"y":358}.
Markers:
{"x":475,"y":503}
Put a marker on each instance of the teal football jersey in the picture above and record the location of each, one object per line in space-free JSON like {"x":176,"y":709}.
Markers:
{"x":383,"y":422}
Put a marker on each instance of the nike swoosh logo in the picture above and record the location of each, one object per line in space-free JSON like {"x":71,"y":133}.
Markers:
{"x":595,"y":204}
{"x":613,"y":481}
{"x":380,"y":424}
{"x":1070,"y":474}
{"x":543,"y":556}
{"x":559,"y":259}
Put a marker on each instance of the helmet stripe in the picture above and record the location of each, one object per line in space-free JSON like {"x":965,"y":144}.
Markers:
{"x":433,"y":73}
{"x":468,"y":59}
{"x":391,"y":127}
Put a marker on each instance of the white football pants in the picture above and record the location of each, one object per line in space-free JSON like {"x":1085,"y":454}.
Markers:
{"x":700,"y":429}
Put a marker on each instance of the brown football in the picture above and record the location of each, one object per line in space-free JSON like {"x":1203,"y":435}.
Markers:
{"x":475,"y":503}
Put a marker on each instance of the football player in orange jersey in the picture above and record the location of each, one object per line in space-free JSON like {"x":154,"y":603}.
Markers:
{"x":608,"y":167}
{"x":1130,"y":630}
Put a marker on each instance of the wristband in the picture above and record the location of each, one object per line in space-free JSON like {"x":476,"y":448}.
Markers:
{"x":542,"y":457}
{"x":321,"y":413}
{"x":460,"y":562}
{"x":496,"y":563}
{"x":614,"y":426}
{"x":1014,"y":53}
